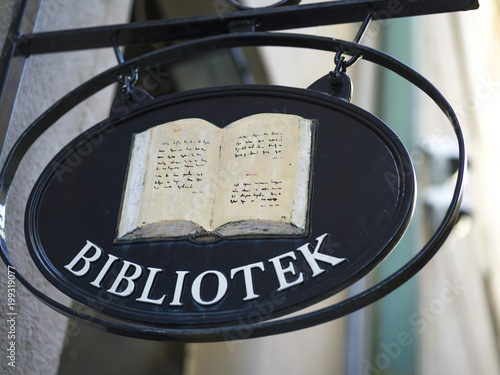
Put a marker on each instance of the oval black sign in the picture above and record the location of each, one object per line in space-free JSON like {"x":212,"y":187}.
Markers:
{"x":360,"y":202}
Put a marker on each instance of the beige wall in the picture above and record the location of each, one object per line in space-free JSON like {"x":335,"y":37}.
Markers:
{"x":40,"y":331}
{"x":319,"y":350}
{"x":460,"y":291}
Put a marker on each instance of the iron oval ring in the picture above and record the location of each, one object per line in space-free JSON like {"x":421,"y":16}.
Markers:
{"x":253,"y":330}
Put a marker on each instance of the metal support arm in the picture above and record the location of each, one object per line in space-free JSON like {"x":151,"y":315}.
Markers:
{"x":264,"y":19}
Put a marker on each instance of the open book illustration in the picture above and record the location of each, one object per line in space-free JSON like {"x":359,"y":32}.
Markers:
{"x":189,"y":179}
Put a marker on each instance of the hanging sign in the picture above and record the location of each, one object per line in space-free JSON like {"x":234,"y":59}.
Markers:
{"x":209,"y":206}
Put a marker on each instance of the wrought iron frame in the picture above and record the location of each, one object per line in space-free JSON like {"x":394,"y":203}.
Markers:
{"x":229,"y":30}
{"x":219,"y":333}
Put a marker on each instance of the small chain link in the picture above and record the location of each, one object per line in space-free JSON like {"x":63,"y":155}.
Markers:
{"x":126,"y":80}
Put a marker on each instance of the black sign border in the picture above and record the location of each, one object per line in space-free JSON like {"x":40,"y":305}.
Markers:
{"x":396,"y":227}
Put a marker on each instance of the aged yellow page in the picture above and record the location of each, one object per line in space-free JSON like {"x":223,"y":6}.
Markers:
{"x":170,"y":182}
{"x":263,"y":176}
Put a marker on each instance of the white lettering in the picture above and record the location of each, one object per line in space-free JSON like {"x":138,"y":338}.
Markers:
{"x":247,"y":274}
{"x":147,"y":288}
{"x":81,"y":256}
{"x":181,"y":275}
{"x":128,"y":279}
{"x":209,"y":287}
{"x":105,"y":269}
{"x":315,"y":256}
{"x":281,"y":272}
{"x":221,"y":287}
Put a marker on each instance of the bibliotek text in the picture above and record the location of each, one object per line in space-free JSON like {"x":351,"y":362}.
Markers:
{"x":123,"y":277}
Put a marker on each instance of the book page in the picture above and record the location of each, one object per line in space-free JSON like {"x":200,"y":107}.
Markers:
{"x":134,"y":185}
{"x":264,"y":170}
{"x":179,"y":174}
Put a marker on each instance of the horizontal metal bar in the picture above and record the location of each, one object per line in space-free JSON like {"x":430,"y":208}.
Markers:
{"x":269,"y":19}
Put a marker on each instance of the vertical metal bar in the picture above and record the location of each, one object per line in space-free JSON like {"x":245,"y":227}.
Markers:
{"x":13,"y":66}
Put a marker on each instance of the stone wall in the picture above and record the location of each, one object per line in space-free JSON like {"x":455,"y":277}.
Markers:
{"x":40,"y":332}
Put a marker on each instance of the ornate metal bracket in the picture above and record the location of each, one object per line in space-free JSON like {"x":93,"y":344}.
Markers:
{"x":220,"y":31}
{"x":230,"y":331}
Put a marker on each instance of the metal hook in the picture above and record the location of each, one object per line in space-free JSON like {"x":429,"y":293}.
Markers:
{"x":118,"y":53}
{"x":126,"y":80}
{"x":340,"y":62}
